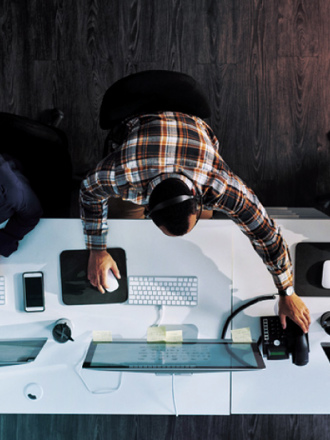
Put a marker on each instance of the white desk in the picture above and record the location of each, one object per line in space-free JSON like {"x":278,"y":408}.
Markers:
{"x":205,"y":252}
{"x":217,"y":252}
{"x":282,"y":387}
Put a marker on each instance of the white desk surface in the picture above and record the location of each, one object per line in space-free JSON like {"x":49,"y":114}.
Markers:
{"x":217,"y":252}
{"x":205,"y":252}
{"x":283,"y":387}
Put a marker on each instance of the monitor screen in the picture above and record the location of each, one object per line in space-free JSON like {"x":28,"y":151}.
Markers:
{"x":195,"y":356}
{"x":20,"y":351}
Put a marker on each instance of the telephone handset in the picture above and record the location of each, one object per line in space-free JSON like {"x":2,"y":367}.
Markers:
{"x":278,"y":343}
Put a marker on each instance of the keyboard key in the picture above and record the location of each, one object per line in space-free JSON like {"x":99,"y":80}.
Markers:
{"x":2,"y":291}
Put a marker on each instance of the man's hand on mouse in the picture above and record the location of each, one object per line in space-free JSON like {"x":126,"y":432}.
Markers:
{"x":295,"y":309}
{"x":99,"y":264}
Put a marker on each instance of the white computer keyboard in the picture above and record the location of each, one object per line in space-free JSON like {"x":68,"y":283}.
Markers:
{"x":163,"y":290}
{"x":2,"y":291}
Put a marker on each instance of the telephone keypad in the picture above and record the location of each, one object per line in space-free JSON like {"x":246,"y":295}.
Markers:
{"x":274,"y":338}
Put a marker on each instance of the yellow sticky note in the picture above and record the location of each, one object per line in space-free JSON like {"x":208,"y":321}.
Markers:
{"x":156,"y":334}
{"x":241,"y":335}
{"x":102,"y":336}
{"x":174,"y":336}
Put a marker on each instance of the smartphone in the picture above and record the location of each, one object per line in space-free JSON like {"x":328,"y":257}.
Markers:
{"x":33,"y":288}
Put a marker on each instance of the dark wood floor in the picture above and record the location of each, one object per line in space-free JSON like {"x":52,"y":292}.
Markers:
{"x":254,"y":427}
{"x":265,"y":67}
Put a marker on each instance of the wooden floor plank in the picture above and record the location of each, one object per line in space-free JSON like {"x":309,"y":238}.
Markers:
{"x":96,"y":427}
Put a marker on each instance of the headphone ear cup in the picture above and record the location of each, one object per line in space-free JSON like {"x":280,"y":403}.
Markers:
{"x":325,"y":322}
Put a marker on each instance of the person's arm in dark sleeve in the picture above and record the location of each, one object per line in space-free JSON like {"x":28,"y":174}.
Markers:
{"x":26,"y":214}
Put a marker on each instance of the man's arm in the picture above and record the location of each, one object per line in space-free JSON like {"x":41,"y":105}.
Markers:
{"x":94,"y":194}
{"x":243,"y":207}
{"x":19,"y":204}
{"x":20,"y":224}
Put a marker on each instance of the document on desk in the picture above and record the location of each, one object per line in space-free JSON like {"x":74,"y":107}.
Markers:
{"x":102,"y":336}
{"x":160,"y":334}
{"x":241,"y":335}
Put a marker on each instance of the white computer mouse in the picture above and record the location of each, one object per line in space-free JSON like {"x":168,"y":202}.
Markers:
{"x":326,"y":275}
{"x":112,"y":282}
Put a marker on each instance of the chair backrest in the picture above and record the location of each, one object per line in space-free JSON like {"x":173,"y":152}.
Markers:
{"x":150,"y":91}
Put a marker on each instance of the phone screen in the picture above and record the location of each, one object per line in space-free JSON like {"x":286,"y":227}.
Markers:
{"x":33,"y":286}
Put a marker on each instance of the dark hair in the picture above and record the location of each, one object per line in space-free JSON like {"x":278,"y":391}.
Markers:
{"x":175,"y":217}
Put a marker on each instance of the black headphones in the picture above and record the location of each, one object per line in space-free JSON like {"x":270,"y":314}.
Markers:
{"x":171,"y":202}
{"x":179,"y":199}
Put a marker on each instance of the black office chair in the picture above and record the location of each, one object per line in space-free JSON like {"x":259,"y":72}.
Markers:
{"x":147,"y":92}
{"x":42,"y":152}
{"x":150,"y":91}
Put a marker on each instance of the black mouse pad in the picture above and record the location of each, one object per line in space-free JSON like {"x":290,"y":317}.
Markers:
{"x":77,"y":290}
{"x":308,"y":268}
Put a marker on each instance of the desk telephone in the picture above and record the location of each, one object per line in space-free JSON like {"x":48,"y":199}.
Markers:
{"x":278,"y":343}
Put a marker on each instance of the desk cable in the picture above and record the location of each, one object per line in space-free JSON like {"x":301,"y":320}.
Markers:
{"x":160,"y":310}
{"x":173,"y":397}
{"x":78,"y":366}
{"x":244,"y":306}
{"x":157,"y":324}
{"x":78,"y":370}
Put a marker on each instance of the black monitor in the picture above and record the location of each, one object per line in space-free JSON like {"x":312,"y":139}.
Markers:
{"x":20,"y":351}
{"x":189,"y":356}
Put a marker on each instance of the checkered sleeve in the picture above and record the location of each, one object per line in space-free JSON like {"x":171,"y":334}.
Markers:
{"x":243,"y":207}
{"x":95,"y":191}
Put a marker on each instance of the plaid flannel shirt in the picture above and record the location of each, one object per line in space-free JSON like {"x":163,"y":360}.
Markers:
{"x":168,"y":144}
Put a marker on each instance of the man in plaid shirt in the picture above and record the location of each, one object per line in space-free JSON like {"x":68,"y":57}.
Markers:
{"x":163,"y":146}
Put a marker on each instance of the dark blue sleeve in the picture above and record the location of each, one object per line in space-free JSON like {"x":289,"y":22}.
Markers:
{"x":19,"y":205}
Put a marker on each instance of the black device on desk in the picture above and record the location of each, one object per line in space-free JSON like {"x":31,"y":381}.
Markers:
{"x":77,"y":290}
{"x":279,"y":344}
{"x":190,"y":356}
{"x":33,"y":289}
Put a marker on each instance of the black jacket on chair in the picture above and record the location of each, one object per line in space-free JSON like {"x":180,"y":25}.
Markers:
{"x":42,"y":152}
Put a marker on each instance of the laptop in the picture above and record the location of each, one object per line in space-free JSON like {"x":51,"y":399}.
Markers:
{"x":20,"y":351}
{"x":191,"y":356}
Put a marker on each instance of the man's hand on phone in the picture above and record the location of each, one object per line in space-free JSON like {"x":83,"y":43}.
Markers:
{"x":293,"y":307}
